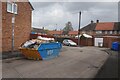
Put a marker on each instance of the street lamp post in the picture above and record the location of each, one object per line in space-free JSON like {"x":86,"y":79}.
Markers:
{"x":79,"y":29}
{"x":56,"y":34}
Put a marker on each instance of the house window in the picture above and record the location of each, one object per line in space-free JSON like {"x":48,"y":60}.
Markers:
{"x":98,"y":32}
{"x":110,"y":32}
{"x":14,"y":8}
{"x":119,"y":32}
{"x":11,"y":7}
{"x":106,"y":32}
{"x":115,"y":32}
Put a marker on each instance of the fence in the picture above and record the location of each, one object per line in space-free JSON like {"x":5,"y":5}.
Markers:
{"x":107,"y":40}
{"x":83,"y":41}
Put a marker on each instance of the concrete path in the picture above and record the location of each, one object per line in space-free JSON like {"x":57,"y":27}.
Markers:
{"x":73,"y":62}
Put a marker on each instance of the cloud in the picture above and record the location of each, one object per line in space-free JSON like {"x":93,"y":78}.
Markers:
{"x":74,"y":0}
{"x":48,"y":14}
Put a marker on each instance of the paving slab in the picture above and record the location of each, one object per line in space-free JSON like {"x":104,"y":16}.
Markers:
{"x":73,"y":62}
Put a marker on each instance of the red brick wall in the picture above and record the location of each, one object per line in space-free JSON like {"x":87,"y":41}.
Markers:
{"x":22,"y":26}
{"x":107,"y":41}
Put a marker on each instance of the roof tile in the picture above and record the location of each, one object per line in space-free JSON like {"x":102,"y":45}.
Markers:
{"x":55,"y":32}
{"x":73,"y":32}
{"x":105,"y":26}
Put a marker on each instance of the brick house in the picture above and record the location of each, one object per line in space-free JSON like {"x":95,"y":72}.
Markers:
{"x":108,"y":29}
{"x":61,"y":34}
{"x":73,"y":33}
{"x":102,"y":29}
{"x":22,"y":25}
{"x":55,"y":33}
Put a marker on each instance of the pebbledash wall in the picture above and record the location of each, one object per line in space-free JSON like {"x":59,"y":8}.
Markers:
{"x":22,"y":26}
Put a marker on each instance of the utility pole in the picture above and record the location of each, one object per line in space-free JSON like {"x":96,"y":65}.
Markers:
{"x":79,"y":29}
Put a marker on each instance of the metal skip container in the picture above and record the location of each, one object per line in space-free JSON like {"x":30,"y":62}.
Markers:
{"x":116,"y":46}
{"x":49,"y":50}
{"x":45,"y":51}
{"x":41,"y":48}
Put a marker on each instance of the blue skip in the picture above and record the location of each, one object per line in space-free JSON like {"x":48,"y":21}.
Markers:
{"x":116,"y":46}
{"x":49,"y":50}
{"x":45,"y":51}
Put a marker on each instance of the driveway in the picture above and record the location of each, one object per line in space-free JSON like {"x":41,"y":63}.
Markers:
{"x":73,"y":62}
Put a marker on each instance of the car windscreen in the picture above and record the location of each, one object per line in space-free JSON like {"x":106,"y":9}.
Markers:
{"x":70,"y":41}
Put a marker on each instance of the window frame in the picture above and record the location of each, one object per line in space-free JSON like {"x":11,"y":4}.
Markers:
{"x":16,"y":8}
{"x":115,"y":32}
{"x":9,"y":3}
{"x":111,"y":32}
{"x":13,"y":6}
{"x":99,"y":32}
{"x":106,"y":32}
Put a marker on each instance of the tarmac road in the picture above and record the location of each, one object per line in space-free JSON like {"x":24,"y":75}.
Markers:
{"x":110,"y":67}
{"x":73,"y":62}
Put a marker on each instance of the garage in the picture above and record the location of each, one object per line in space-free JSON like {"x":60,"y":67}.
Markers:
{"x":98,"y":41}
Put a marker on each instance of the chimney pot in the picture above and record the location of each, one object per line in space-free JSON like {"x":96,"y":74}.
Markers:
{"x":97,"y":21}
{"x":91,"y":21}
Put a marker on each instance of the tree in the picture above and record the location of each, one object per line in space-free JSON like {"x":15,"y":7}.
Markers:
{"x":67,"y":28}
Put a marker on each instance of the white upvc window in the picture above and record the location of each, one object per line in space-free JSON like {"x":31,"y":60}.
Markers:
{"x":119,"y":32}
{"x":115,"y":32}
{"x":14,"y":8}
{"x":111,"y":32}
{"x":106,"y":32}
{"x":98,"y":32}
{"x":11,"y":7}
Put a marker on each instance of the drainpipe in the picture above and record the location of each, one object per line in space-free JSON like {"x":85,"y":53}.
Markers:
{"x":13,"y":25}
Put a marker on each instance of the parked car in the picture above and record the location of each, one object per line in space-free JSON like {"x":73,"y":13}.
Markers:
{"x":68,"y":42}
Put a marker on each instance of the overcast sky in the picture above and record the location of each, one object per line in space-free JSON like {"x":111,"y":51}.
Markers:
{"x":48,"y":14}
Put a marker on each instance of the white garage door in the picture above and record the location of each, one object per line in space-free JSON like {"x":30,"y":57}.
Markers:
{"x":98,"y":40}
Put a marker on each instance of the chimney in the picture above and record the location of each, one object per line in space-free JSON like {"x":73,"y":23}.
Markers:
{"x":92,"y":21}
{"x":97,"y":21}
